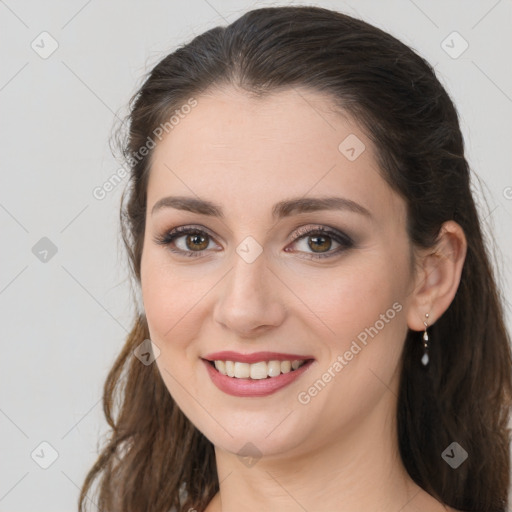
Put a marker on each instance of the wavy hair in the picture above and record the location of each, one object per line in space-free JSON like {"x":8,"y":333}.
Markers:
{"x":155,"y":459}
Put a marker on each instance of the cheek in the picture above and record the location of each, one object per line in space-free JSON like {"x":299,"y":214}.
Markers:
{"x":353,"y":296}
{"x":167,"y":299}
{"x":171,"y":294}
{"x":171,"y":304}
{"x":359,"y":317}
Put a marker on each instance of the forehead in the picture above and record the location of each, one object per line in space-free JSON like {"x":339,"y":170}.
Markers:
{"x":253,"y":152}
{"x":231,"y":120}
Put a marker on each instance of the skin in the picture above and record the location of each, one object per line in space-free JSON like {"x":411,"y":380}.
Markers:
{"x":339,"y":451}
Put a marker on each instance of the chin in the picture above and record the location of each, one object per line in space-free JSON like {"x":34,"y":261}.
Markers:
{"x":254,"y":435}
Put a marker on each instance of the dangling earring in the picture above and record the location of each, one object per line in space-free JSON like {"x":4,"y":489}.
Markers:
{"x":425,"y":358}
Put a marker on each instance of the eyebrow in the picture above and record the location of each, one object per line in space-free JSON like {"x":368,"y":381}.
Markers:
{"x":281,"y":209}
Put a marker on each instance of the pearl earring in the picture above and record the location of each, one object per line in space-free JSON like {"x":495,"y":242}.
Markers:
{"x":425,"y":359}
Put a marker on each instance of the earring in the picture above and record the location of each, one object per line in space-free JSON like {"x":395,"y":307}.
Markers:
{"x":425,"y":358}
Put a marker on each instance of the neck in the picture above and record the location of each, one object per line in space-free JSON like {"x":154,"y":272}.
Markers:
{"x":361,"y":471}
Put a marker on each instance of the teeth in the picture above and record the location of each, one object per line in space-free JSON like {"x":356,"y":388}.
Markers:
{"x":242,"y":370}
{"x":286,"y":366}
{"x":274,"y":368}
{"x":257,"y":371}
{"x":221,"y":366}
{"x":230,"y":368}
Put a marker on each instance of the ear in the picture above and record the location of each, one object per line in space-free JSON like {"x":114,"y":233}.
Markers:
{"x":438,"y":271}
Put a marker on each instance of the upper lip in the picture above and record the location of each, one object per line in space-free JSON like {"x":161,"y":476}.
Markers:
{"x":254,"y":357}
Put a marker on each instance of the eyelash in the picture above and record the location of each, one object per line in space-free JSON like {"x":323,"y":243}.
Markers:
{"x":345,"y":241}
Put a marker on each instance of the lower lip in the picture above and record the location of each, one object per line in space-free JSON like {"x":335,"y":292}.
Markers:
{"x":253,"y":387}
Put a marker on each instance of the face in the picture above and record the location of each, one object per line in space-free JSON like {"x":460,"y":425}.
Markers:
{"x":271,"y":282}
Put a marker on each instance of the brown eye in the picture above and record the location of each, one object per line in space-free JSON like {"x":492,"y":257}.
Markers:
{"x":186,"y":241}
{"x":320,"y":243}
{"x":197,"y":242}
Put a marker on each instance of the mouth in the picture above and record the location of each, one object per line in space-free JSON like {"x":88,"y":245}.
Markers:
{"x":257,"y":371}
{"x":256,"y":375}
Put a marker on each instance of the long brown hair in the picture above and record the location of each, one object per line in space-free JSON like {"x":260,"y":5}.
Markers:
{"x":155,"y":459}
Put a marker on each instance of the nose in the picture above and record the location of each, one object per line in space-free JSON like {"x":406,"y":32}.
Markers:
{"x":249,"y":302}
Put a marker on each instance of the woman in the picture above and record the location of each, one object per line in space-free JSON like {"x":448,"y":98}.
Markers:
{"x":326,"y":331}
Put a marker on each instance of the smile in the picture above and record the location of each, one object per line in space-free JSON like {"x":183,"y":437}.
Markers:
{"x":257,"y":371}
{"x":255,"y":375}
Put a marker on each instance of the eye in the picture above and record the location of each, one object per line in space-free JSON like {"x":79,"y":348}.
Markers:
{"x":195,"y":240}
{"x":320,"y":240}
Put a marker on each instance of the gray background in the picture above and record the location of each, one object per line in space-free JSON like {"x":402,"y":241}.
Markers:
{"x":65,"y":319}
